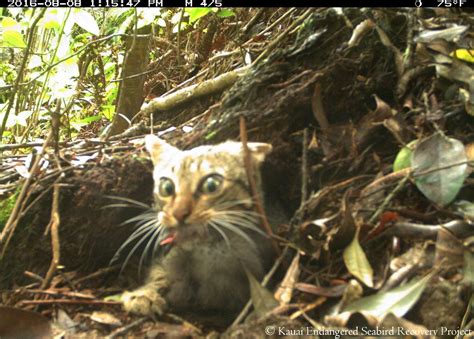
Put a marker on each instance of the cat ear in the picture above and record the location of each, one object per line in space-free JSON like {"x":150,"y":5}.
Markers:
{"x":259,"y":150}
{"x":158,"y":148}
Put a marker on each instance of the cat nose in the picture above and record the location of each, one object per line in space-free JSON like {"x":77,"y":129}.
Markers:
{"x":181,"y":213}
{"x":182,"y":210}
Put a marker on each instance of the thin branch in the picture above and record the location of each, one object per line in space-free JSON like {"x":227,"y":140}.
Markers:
{"x":304,"y":168}
{"x":55,"y":247}
{"x":13,"y":219}
{"x":71,"y":302}
{"x":253,"y":185}
{"x":387,"y":200}
{"x":178,"y":38}
{"x":122,"y":331}
{"x":279,"y":38}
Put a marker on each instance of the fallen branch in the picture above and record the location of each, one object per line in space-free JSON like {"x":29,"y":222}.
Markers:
{"x":186,"y":94}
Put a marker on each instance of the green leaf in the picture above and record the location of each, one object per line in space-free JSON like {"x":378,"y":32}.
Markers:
{"x":50,"y":21}
{"x":9,"y":23}
{"x":108,"y":111}
{"x":13,"y":39}
{"x":88,"y":120}
{"x":197,"y":13}
{"x":403,"y":159}
{"x":86,"y":21}
{"x":357,"y":263}
{"x":115,"y":297}
{"x":210,"y":135}
{"x":78,"y":124}
{"x":440,"y":165}
{"x":224,"y":13}
{"x":397,"y":301}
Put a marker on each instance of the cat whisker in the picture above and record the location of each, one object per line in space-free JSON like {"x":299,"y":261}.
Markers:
{"x":232,"y":203}
{"x":136,"y":234}
{"x":241,"y":212}
{"x":148,"y":215}
{"x":130,"y":202}
{"x":153,"y":238}
{"x":241,"y":215}
{"x":223,"y":235}
{"x":241,"y":222}
{"x":235,"y":229}
{"x":146,"y":236}
{"x":161,"y":237}
{"x":144,"y":225}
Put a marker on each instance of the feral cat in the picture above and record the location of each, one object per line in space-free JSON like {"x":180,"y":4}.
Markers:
{"x":205,"y":211}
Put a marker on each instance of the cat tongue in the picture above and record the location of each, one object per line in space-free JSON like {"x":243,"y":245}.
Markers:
{"x":169,"y":239}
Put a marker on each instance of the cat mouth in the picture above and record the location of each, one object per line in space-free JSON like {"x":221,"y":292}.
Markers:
{"x":183,"y":233}
{"x":169,"y":240}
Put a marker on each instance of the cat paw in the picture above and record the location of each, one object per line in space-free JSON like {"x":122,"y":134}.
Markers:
{"x":147,"y":302}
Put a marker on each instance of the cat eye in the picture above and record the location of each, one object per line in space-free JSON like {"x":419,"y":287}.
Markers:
{"x":166,"y":187}
{"x":211,"y":184}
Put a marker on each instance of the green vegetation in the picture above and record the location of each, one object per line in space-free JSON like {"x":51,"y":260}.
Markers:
{"x":73,"y":58}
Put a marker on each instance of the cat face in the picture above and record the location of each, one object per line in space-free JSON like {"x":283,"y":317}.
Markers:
{"x":203,"y":187}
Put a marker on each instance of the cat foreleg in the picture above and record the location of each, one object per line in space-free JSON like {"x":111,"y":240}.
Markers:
{"x":147,"y":299}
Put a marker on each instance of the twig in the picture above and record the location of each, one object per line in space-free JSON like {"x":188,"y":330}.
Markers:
{"x":313,"y":201}
{"x":61,"y":293}
{"x":253,"y":185}
{"x":8,"y":147}
{"x":13,"y":219}
{"x":33,"y":276}
{"x":178,"y":38}
{"x":411,"y":44}
{"x":304,"y":168}
{"x":298,"y":215}
{"x":71,"y":302}
{"x":374,"y":185}
{"x":388,"y":199}
{"x":253,"y":21}
{"x":97,"y":274}
{"x":55,"y":248}
{"x":279,"y":38}
{"x":125,"y":329}
{"x":277,"y":21}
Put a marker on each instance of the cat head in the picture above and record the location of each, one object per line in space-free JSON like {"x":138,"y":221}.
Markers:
{"x":206,"y":185}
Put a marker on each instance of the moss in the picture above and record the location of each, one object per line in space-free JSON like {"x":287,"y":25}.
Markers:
{"x":6,"y":207}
